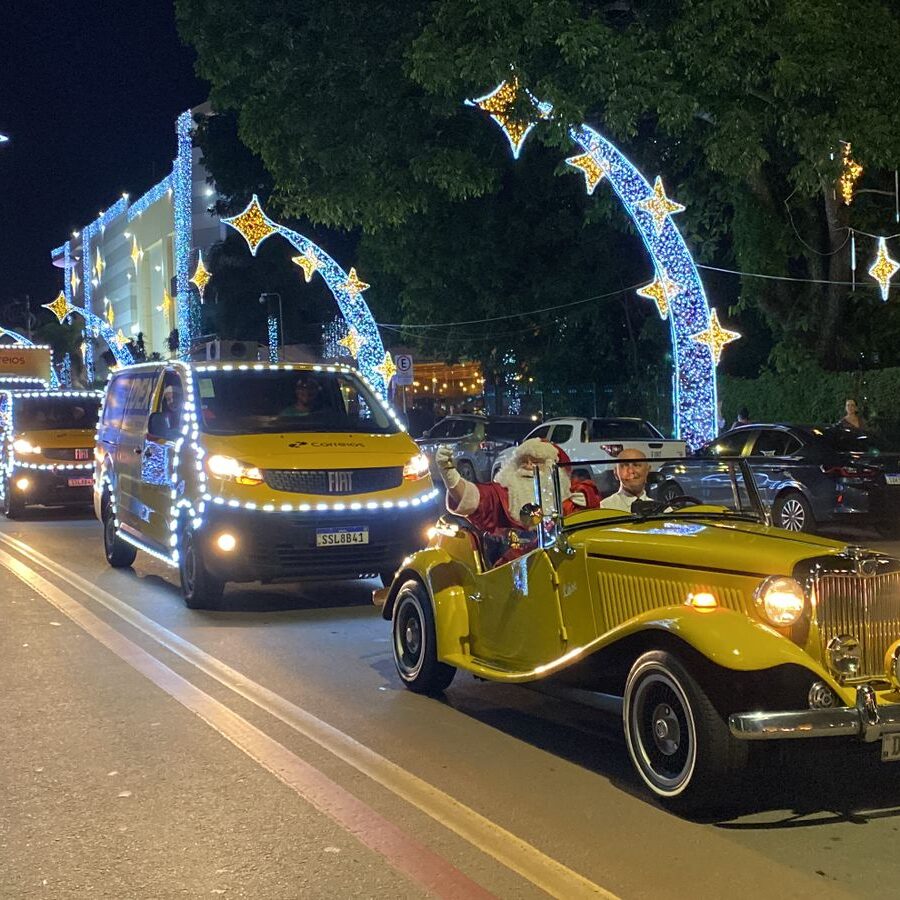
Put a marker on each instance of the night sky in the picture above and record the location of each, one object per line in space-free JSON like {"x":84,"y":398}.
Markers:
{"x":90,"y":94}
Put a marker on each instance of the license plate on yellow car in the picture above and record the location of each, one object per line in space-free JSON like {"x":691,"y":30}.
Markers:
{"x":890,"y":747}
{"x":341,"y":537}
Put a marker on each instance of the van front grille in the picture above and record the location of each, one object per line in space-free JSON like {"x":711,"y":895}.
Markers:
{"x":334,"y":481}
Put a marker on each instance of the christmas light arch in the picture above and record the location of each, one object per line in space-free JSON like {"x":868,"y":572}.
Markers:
{"x":697,"y":336}
{"x":61,"y":307}
{"x":346,"y":288}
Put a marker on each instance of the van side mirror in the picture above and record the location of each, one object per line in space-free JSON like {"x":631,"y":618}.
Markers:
{"x":158,"y":427}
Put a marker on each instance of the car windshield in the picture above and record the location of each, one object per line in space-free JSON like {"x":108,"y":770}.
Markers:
{"x":671,"y":487}
{"x":623,"y":430}
{"x":274,"y":401}
{"x":55,"y":413}
{"x":509,"y":431}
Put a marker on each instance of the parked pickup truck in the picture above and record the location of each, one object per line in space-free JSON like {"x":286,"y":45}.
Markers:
{"x":601,"y":439}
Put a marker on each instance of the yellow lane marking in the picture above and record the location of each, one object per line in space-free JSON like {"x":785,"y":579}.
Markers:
{"x":507,"y":848}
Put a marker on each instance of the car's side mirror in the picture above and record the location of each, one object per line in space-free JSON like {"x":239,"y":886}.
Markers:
{"x":158,"y":427}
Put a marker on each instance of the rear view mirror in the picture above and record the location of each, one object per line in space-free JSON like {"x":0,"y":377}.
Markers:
{"x":158,"y":427}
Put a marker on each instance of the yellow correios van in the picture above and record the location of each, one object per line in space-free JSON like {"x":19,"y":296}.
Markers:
{"x":47,"y":448}
{"x":257,"y":472}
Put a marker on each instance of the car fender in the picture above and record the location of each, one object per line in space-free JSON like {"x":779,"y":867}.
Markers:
{"x":441,"y":576}
{"x":791,"y":484}
{"x":727,"y":638}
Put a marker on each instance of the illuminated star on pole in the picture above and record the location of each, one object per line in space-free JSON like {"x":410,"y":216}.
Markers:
{"x":253,"y":224}
{"x":353,"y":285}
{"x":120,"y":340}
{"x":74,"y":281}
{"x":99,"y":265}
{"x":110,"y":316}
{"x":352,"y":340}
{"x":386,"y":369}
{"x":307,"y":261}
{"x":201,"y":275}
{"x":593,"y":171}
{"x":662,"y":292}
{"x":136,"y":252}
{"x":59,"y":307}
{"x":500,"y":104}
{"x":659,"y":205}
{"x":715,"y":337}
{"x":166,"y":306}
{"x":883,"y":268}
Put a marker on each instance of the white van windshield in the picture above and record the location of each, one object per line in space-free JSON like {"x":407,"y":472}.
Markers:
{"x":285,"y":400}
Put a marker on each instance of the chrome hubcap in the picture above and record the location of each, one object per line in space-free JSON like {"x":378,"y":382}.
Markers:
{"x":793,"y":516}
{"x":666,"y":730}
{"x":412,"y":636}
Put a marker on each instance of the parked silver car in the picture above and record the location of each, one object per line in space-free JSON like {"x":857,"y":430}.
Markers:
{"x":476,"y":440}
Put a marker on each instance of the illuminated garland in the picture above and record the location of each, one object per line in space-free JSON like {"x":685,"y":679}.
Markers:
{"x":188,"y":308}
{"x":272,"y":326}
{"x":255,"y":227}
{"x":117,"y":342}
{"x":143,"y":203}
{"x":501,"y":105}
{"x":851,"y":172}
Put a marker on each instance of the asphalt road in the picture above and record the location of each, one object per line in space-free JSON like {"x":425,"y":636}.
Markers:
{"x":267,"y":750}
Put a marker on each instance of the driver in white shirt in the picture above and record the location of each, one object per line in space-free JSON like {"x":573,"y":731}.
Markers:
{"x":632,"y":475}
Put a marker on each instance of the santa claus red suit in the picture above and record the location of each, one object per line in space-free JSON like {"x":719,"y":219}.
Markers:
{"x":496,"y":507}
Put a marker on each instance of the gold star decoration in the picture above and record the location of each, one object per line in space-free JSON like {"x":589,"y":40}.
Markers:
{"x":883,"y":269}
{"x":166,"y":306}
{"x":307,"y":261}
{"x":59,"y":307}
{"x":850,"y":174}
{"x":593,"y":171}
{"x":99,"y":265}
{"x":659,"y":205}
{"x":120,"y":340}
{"x":74,"y":281}
{"x":136,"y":252}
{"x":352,"y":340}
{"x":353,"y":285}
{"x":662,"y":292}
{"x":253,"y":224}
{"x":715,"y":337}
{"x":201,"y":275}
{"x":501,"y":104}
{"x":110,"y":316}
{"x":386,"y":369}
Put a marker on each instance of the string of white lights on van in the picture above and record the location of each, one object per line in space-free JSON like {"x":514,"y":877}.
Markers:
{"x":182,"y":508}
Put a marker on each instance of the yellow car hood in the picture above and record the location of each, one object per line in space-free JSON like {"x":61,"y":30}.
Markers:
{"x":735,"y":546}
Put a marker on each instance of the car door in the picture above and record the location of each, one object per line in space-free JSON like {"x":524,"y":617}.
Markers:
{"x":436,"y":436}
{"x":774,"y":444}
{"x":514,"y":614}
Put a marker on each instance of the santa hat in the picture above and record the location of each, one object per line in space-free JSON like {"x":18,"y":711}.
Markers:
{"x":537,"y":448}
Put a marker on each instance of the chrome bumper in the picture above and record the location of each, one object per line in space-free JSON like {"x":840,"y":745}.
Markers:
{"x":867,"y":721}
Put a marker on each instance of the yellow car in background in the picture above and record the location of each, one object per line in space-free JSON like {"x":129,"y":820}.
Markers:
{"x":257,"y":472}
{"x":714,"y":628}
{"x":47,"y":448}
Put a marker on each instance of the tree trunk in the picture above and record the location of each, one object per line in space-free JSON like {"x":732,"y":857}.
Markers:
{"x":831,"y":348}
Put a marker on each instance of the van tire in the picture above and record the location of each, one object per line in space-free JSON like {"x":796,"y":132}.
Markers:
{"x":118,"y":554}
{"x":200,"y":589}
{"x":13,"y":507}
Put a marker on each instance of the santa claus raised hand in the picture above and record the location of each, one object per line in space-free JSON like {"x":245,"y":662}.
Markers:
{"x":499,"y":505}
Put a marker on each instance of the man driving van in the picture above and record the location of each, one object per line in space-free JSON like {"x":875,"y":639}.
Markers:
{"x":307,"y":398}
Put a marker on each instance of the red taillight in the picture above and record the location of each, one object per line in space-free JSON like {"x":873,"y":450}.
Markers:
{"x":846,"y":472}
{"x":611,"y":449}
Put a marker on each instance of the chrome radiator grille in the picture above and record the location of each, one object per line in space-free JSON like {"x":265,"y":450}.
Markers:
{"x":866,"y":607}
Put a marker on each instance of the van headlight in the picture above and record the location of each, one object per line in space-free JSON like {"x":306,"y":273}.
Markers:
{"x":234,"y":470}
{"x":780,"y":600}
{"x":416,"y":468}
{"x":25,"y":448}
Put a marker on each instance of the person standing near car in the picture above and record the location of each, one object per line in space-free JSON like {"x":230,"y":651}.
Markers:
{"x":852,"y":418}
{"x":743,"y":417}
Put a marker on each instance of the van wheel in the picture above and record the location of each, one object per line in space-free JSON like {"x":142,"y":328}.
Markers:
{"x":415,"y":642}
{"x":118,"y":554}
{"x":13,"y":507}
{"x":199,"y":589}
{"x":679,"y":744}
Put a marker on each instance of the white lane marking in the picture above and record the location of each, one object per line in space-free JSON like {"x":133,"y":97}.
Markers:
{"x":507,"y":848}
{"x":401,"y":850}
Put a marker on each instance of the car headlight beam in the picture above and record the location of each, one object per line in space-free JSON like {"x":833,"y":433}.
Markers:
{"x":24,"y":447}
{"x":233,"y":470}
{"x":416,"y":468}
{"x":781,"y":601}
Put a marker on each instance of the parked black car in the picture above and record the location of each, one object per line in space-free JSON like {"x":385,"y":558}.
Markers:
{"x":807,"y":475}
{"x":476,"y":440}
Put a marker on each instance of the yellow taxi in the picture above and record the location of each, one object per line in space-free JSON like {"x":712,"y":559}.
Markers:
{"x":257,"y":472}
{"x":713,"y":628}
{"x":47,"y":448}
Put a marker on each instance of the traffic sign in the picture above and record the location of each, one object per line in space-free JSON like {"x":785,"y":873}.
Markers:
{"x":404,"y":364}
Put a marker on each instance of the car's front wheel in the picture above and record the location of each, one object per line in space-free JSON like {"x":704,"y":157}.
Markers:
{"x":679,"y":744}
{"x":793,"y":512}
{"x":415,"y":642}
{"x":118,"y":554}
{"x":200,"y":589}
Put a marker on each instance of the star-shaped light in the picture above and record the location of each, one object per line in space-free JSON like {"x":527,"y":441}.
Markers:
{"x":201,"y":275}
{"x":120,"y":340}
{"x":99,"y":265}
{"x":715,"y":337}
{"x":59,"y":307}
{"x":136,"y":252}
{"x":593,"y":171}
{"x":662,"y":292}
{"x":307,"y":261}
{"x":167,"y":303}
{"x":74,"y":281}
{"x":352,"y":340}
{"x":659,"y":205}
{"x":253,"y":224}
{"x":500,"y":104}
{"x":110,"y":316}
{"x":850,"y":174}
{"x":353,"y":285}
{"x":883,"y":268}
{"x":386,"y":368}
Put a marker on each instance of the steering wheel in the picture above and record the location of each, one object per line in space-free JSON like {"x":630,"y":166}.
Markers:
{"x":679,"y":501}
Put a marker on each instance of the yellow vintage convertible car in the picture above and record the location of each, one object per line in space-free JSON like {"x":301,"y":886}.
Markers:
{"x":715,"y":628}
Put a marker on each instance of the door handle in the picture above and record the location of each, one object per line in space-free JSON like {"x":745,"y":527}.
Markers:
{"x":476,"y":596}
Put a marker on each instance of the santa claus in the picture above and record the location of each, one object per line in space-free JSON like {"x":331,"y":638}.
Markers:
{"x":498,"y":506}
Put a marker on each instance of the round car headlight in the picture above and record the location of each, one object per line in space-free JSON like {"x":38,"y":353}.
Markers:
{"x":780,"y":600}
{"x":844,"y":655}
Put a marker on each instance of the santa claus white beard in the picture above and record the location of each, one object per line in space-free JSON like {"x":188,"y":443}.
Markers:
{"x":520,"y":485}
